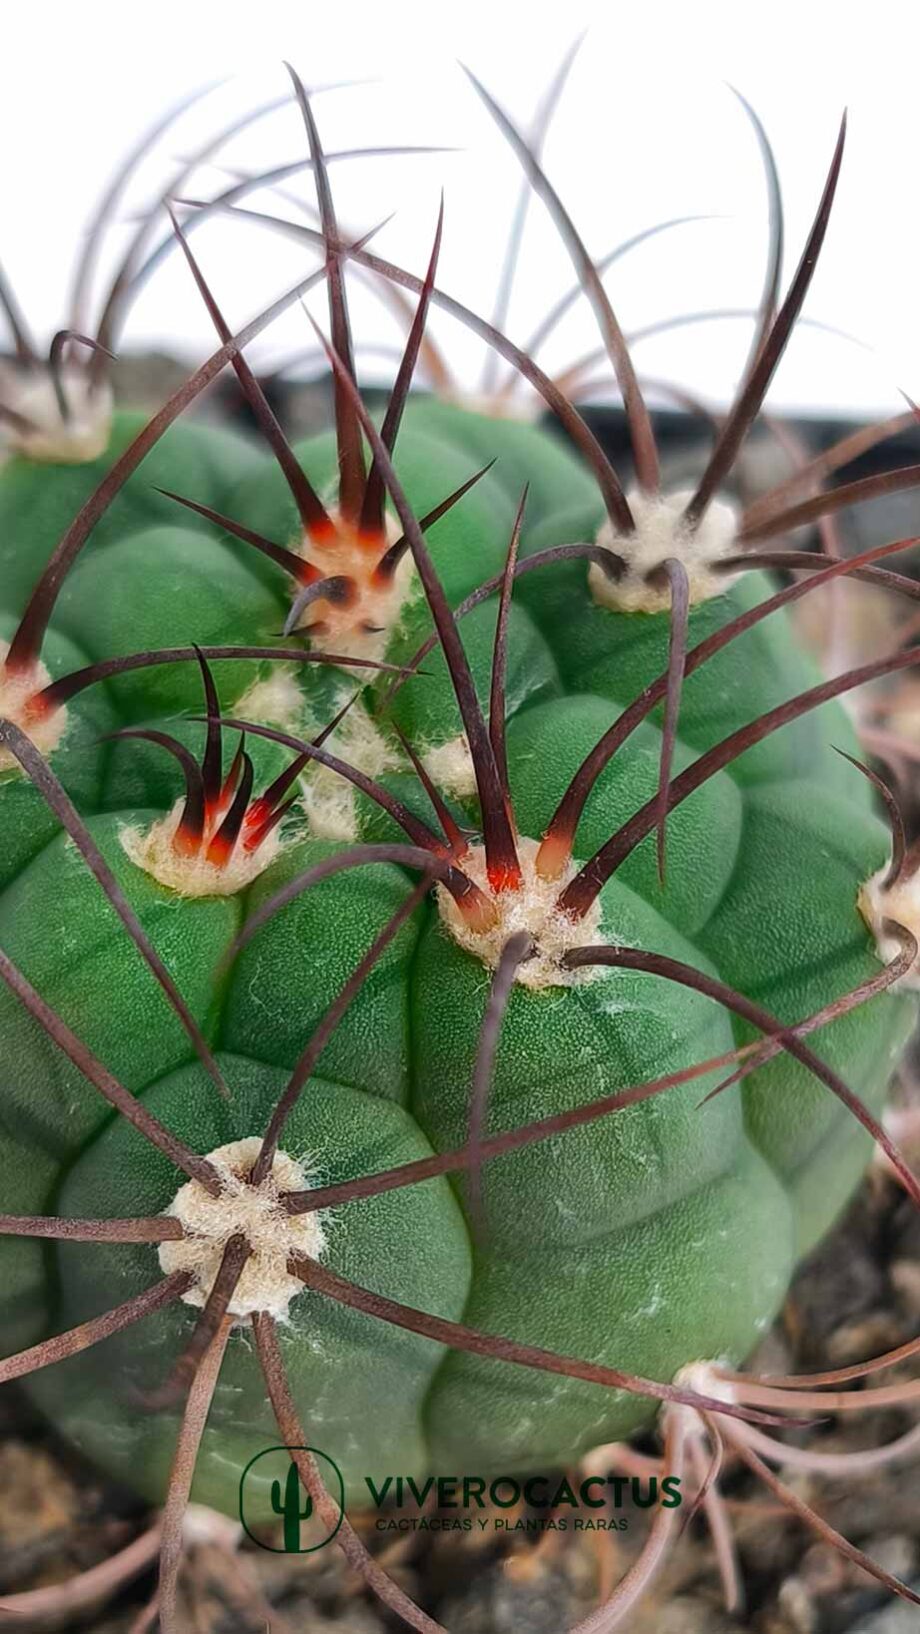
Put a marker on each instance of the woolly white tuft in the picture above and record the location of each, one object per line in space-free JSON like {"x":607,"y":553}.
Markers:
{"x":532,"y":908}
{"x":329,"y":800}
{"x":275,"y":700}
{"x":152,"y":850}
{"x":16,"y":693}
{"x":253,"y":1212}
{"x":662,"y":533}
{"x":83,"y":436}
{"x":899,"y":902}
{"x":450,"y":767}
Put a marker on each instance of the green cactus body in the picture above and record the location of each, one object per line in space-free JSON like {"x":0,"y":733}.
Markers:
{"x":523,"y":453}
{"x":38,"y":499}
{"x":647,"y":1240}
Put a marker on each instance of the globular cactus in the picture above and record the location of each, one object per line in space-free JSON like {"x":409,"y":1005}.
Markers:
{"x":289,"y":1508}
{"x":438,"y":858}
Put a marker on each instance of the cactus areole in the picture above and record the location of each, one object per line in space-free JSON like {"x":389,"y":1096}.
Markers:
{"x":452,"y":965}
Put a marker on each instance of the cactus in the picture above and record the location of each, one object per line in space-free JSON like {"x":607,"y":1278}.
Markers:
{"x":290,"y":1508}
{"x":443,"y":872}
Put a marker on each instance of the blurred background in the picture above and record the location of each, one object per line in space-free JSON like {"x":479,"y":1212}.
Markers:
{"x":646,"y":130}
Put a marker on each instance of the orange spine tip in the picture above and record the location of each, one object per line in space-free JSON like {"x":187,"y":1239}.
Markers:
{"x":219,"y":851}
{"x":321,"y":533}
{"x":504,"y":877}
{"x":371,"y":538}
{"x":552,"y":856}
{"x":479,"y":913}
{"x":186,"y":843}
{"x":38,"y":707}
{"x":216,"y":809}
{"x":258,"y":813}
{"x":252,"y":837}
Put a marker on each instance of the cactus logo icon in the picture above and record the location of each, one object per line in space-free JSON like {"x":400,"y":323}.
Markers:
{"x":271,"y":1485}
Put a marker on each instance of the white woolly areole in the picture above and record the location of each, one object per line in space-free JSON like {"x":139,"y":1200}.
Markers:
{"x":377,"y":606}
{"x":275,"y":701}
{"x":83,"y":436}
{"x":328,"y":798}
{"x":253,"y":1212}
{"x":450,"y":767}
{"x":704,"y":1378}
{"x":152,"y":850}
{"x":532,"y":908}
{"x":329,"y":806}
{"x":16,"y":694}
{"x":200,"y":1524}
{"x":899,"y":902}
{"x":662,"y":533}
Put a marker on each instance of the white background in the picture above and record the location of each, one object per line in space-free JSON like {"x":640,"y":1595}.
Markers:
{"x":646,"y":130}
